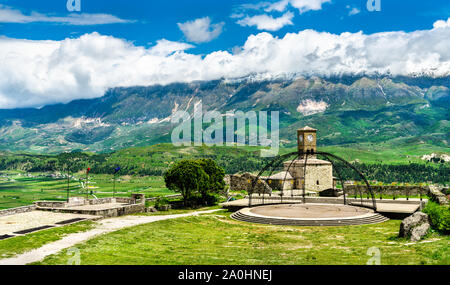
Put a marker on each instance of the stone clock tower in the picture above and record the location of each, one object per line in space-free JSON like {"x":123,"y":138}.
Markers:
{"x":318,"y":175}
{"x":306,"y":139}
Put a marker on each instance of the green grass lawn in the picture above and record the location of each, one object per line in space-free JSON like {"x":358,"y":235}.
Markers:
{"x":19,"y":190}
{"x":215,"y":239}
{"x":17,"y":245}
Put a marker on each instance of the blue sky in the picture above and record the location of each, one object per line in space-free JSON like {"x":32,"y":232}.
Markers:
{"x":155,"y":19}
{"x":49,"y":54}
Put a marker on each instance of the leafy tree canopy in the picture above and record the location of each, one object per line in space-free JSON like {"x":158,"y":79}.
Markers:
{"x":198,"y":181}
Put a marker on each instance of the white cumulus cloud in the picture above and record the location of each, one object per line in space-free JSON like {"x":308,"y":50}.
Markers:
{"x":302,"y":5}
{"x":267,"y":22}
{"x":201,"y":30}
{"x":442,"y":24}
{"x":10,"y":15}
{"x":34,"y":73}
{"x":353,"y":10}
{"x":164,"y":47}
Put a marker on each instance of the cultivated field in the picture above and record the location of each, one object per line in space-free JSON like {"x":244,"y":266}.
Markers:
{"x":21,"y":189}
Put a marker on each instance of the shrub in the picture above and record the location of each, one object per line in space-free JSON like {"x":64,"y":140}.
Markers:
{"x":212,"y":199}
{"x":439,"y":216}
{"x":161,"y":202}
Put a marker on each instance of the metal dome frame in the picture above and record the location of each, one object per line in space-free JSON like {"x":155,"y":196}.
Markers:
{"x":274,"y":163}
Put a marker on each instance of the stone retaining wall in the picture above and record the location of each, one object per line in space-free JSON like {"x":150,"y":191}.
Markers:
{"x":244,"y":182}
{"x":50,"y":204}
{"x":387,"y":190}
{"x":106,"y":213}
{"x":18,"y":210}
{"x":102,"y":201}
{"x":438,"y":196}
{"x":80,"y":201}
{"x":435,"y":192}
{"x":135,"y":204}
{"x":125,"y":200}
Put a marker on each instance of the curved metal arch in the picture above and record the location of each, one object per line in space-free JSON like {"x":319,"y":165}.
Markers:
{"x":369,"y":189}
{"x":273,"y":169}
{"x":279,"y":159}
{"x":342,"y":181}
{"x":274,"y":163}
{"x":304,"y":178}
{"x":287,"y":170}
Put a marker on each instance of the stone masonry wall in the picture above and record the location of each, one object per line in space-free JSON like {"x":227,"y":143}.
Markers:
{"x":244,"y":182}
{"x":80,"y":201}
{"x":277,"y":184}
{"x":319,"y":177}
{"x":125,"y":200}
{"x":50,"y":204}
{"x":321,"y":173}
{"x":437,"y":195}
{"x":107,"y":213}
{"x":102,"y":201}
{"x":387,"y":190}
{"x":19,"y":210}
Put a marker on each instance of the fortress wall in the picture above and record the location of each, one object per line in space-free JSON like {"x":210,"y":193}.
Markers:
{"x":244,"y":182}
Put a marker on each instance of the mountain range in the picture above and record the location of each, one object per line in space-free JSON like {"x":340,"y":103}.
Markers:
{"x":346,"y":110}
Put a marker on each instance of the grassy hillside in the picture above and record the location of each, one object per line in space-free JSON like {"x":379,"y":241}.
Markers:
{"x":155,"y":160}
{"x":25,"y":178}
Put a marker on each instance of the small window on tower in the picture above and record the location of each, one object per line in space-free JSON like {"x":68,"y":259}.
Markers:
{"x":317,"y":182}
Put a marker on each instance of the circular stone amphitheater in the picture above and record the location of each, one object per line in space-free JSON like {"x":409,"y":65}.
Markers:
{"x":309,"y":215}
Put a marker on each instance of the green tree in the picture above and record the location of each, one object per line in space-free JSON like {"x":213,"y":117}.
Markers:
{"x":188,"y":178}
{"x":216,"y":183}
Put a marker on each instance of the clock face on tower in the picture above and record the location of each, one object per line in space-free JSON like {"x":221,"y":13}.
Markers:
{"x":310,"y":138}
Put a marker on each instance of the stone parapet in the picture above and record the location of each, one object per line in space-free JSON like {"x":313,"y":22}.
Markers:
{"x":19,"y":210}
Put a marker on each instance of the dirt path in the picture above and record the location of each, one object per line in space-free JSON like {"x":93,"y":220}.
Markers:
{"x":103,"y":227}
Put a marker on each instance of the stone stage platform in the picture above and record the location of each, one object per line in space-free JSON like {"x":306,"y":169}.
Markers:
{"x":398,"y":208}
{"x":309,"y":215}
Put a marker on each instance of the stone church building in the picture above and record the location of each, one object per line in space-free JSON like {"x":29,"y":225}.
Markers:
{"x":319,"y":173}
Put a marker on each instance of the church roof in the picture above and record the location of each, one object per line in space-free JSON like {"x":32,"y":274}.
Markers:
{"x":310,"y":161}
{"x":307,"y":129}
{"x":281,"y":176}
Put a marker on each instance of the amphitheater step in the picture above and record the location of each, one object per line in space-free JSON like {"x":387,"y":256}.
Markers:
{"x":373,"y":219}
